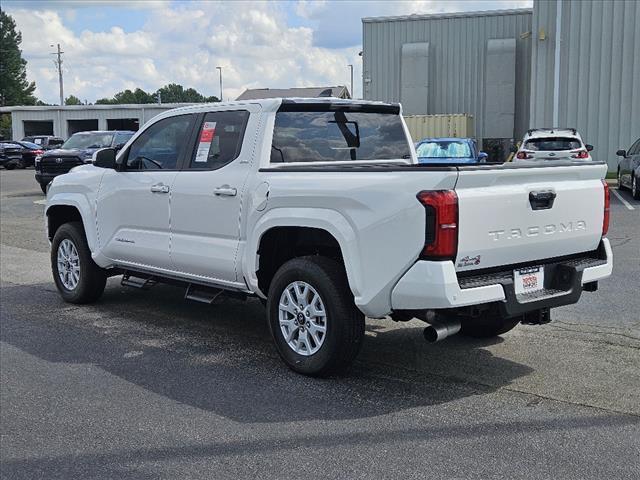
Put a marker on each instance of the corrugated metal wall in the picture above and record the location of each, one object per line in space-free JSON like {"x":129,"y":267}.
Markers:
{"x":457,"y":45}
{"x":599,"y":71}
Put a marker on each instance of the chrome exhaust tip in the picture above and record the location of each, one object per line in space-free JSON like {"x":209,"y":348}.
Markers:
{"x":441,"y":330}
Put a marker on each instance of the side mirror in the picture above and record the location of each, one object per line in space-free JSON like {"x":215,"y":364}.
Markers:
{"x":482,"y":157}
{"x":621,"y":153}
{"x":105,"y":158}
{"x":588,"y":147}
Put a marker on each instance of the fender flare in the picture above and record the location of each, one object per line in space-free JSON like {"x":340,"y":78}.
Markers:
{"x":325,"y":219}
{"x":81,"y":204}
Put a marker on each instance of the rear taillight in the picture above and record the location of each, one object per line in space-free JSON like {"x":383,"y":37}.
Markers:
{"x":523,"y":156}
{"x":581,"y":154}
{"x":38,"y":152}
{"x":441,"y":232}
{"x":607,"y":206}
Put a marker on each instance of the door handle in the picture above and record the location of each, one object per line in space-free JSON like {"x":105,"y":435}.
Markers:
{"x":160,"y":188}
{"x":225,"y":190}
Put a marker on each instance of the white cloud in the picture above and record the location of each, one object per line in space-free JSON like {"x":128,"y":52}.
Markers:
{"x":258,"y":44}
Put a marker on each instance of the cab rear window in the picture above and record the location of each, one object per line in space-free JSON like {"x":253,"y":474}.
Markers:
{"x":549,"y":144}
{"x":337,"y":136}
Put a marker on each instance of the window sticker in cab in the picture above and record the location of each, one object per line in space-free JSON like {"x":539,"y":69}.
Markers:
{"x":206,"y":137}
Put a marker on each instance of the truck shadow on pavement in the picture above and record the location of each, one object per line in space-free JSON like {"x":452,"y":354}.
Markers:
{"x":221,"y":359}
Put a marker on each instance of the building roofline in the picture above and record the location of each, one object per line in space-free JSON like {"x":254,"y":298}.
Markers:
{"x":123,"y":106}
{"x":437,"y":16}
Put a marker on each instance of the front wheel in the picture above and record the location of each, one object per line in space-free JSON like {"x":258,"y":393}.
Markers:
{"x":635,"y":188}
{"x":314,"y":322}
{"x":620,"y":186}
{"x":9,"y":166}
{"x":77,"y":277}
{"x":43,"y":187}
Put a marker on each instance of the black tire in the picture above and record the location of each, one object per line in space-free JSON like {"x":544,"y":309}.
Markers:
{"x":22,"y":164}
{"x":92,"y":278}
{"x":635,"y":188}
{"x":9,"y":166}
{"x":344,"y":322}
{"x":43,"y":186}
{"x":488,"y":325}
{"x":620,"y":186}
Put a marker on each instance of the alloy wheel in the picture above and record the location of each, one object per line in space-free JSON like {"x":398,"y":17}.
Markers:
{"x":303,"y":318}
{"x":68,"y":264}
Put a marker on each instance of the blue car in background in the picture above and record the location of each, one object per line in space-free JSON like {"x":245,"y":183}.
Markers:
{"x":449,"y":150}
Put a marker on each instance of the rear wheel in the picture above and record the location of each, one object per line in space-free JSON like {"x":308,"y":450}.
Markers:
{"x":22,"y":164}
{"x":77,"y":277}
{"x":488,"y":325}
{"x":316,"y":327}
{"x":620,"y":186}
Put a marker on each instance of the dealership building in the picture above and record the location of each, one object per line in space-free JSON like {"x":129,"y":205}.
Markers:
{"x":562,"y":63}
{"x":69,"y":119}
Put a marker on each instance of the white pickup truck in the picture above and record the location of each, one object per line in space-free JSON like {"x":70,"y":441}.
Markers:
{"x":319,"y":208}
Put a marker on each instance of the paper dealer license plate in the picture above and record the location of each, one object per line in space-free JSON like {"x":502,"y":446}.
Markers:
{"x":527,"y":280}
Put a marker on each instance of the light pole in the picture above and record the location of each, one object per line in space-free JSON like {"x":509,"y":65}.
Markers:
{"x":58,"y":63}
{"x":351,"y":68}
{"x":220,"y":69}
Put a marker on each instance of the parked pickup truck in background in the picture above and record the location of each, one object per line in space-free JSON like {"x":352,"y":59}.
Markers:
{"x":319,"y":208}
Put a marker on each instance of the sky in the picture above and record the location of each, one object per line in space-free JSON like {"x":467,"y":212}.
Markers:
{"x":112,"y":45}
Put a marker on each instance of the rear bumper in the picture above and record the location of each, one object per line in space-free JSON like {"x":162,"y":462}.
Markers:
{"x":435,"y":285}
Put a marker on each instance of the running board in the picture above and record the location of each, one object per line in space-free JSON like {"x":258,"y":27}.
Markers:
{"x":128,"y":280}
{"x":200,"y":293}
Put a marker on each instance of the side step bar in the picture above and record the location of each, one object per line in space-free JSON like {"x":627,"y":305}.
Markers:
{"x":200,"y":293}
{"x":129,"y":280}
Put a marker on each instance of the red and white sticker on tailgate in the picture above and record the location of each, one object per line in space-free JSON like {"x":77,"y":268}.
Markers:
{"x":206,"y":137}
{"x":527,"y":280}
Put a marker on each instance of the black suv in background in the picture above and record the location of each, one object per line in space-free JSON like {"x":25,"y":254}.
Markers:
{"x":78,"y":150}
{"x":45,"y":142}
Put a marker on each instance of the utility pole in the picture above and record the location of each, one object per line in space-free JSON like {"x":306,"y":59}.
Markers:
{"x":58,"y":63}
{"x":351,"y":68}
{"x":220,"y":69}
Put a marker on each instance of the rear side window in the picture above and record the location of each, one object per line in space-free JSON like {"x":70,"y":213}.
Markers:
{"x":159,"y":146}
{"x":219,"y":140}
{"x":121,"y":138}
{"x":549,"y":144}
{"x":335,"y":136}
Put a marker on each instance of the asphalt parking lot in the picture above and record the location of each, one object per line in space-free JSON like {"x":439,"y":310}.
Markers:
{"x":145,"y":385}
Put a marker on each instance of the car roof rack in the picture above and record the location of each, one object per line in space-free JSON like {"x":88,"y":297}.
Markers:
{"x":551,"y":129}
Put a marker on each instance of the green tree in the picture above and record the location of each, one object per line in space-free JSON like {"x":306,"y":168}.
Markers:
{"x":5,"y":126}
{"x":15,"y":89}
{"x":171,"y":93}
{"x":72,"y":100}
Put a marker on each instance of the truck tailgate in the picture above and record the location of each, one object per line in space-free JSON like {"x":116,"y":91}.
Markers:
{"x":510,"y":215}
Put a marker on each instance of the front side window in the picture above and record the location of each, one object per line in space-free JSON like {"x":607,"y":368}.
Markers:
{"x":159,"y":146}
{"x":219,"y":140}
{"x":551,"y":144}
{"x":88,"y":140}
{"x":444,"y":149}
{"x":320,"y":136}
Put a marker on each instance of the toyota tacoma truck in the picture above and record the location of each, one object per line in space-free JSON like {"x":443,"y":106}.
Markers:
{"x":320,"y":208}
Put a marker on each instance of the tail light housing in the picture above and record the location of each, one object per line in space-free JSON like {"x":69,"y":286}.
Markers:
{"x":441,"y":231}
{"x":607,"y":207}
{"x":523,"y":156}
{"x":38,"y":152}
{"x":581,"y":154}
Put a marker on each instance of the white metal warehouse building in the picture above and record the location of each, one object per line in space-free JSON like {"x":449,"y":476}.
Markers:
{"x":67,"y":120}
{"x":516,"y":69}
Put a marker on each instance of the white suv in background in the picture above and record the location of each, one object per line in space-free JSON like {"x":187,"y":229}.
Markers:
{"x":553,"y":144}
